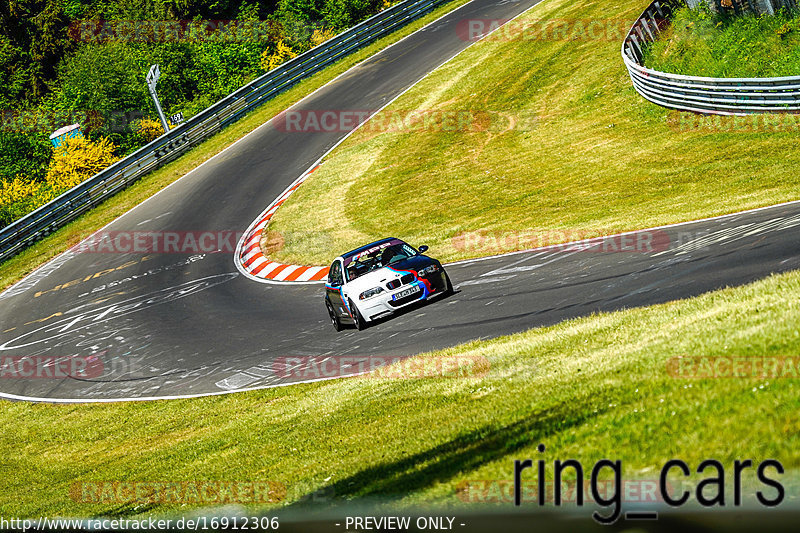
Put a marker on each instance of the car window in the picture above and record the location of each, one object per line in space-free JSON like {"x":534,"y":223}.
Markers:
{"x":335,"y":277}
{"x":396,"y":253}
{"x":388,"y":255}
{"x":362,"y":265}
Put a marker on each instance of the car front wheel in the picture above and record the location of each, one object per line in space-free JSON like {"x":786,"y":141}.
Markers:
{"x":357,"y":318}
{"x":337,"y":324}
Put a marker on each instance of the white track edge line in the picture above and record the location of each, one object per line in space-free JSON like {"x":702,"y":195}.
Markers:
{"x":10,"y":396}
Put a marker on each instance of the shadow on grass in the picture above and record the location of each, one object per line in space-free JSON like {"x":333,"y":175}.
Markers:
{"x":465,"y":453}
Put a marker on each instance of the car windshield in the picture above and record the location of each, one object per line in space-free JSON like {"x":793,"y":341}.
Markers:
{"x":371,"y":259}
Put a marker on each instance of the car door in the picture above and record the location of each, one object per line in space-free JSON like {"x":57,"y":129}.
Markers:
{"x":333,"y":288}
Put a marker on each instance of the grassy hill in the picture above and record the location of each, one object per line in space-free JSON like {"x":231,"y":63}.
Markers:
{"x":587,"y":154}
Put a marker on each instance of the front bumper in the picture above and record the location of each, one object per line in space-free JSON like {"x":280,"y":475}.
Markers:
{"x":384,"y":303}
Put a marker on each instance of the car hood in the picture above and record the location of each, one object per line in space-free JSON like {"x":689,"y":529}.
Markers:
{"x":412,"y":263}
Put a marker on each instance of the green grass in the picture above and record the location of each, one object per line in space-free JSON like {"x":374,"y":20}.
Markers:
{"x":34,"y":256}
{"x":588,"y":388}
{"x":703,"y":43}
{"x":598,"y":158}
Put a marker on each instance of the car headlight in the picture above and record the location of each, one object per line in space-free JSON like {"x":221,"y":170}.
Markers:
{"x":369,"y":293}
{"x":428,"y":270}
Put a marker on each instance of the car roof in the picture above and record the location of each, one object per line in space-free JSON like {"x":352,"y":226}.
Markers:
{"x":357,"y":251}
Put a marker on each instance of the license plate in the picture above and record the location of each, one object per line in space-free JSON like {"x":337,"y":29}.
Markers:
{"x":406,"y":292}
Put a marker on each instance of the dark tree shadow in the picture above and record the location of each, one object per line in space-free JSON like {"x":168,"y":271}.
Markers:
{"x":395,"y":480}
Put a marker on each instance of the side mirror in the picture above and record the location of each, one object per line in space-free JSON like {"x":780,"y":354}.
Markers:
{"x":423,"y":249}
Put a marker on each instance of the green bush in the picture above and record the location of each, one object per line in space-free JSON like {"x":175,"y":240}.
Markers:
{"x":700,"y":42}
{"x":221,"y":68}
{"x":104,"y":78}
{"x":341,"y":14}
{"x":24,"y":153}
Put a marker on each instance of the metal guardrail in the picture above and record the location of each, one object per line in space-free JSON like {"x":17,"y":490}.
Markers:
{"x":90,"y":193}
{"x":720,"y":96}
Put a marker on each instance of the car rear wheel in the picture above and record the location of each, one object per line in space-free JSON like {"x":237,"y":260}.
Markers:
{"x":357,"y":318}
{"x":337,"y":324}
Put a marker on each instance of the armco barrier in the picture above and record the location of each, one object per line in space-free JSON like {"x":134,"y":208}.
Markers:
{"x":721,"y":96}
{"x":177,"y":141}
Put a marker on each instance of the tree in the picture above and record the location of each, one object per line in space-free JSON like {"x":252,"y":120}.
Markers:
{"x":25,"y":153}
{"x":342,"y":14}
{"x":38,"y":31}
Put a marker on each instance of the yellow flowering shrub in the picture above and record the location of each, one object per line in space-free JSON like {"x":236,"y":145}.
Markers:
{"x":17,"y":189}
{"x":320,"y":36}
{"x":283,"y":52}
{"x":20,"y":196}
{"x":149,"y":129}
{"x":78,"y":159}
{"x":73,"y":162}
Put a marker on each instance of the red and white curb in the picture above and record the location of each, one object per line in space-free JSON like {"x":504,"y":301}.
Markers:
{"x":254,"y":264}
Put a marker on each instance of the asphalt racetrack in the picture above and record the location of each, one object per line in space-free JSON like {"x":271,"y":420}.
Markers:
{"x":181,"y":324}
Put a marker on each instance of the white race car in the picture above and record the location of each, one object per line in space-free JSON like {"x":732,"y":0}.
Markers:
{"x":378,"y":279}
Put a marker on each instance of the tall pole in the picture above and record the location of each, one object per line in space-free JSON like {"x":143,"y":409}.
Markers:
{"x":152,"y":79}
